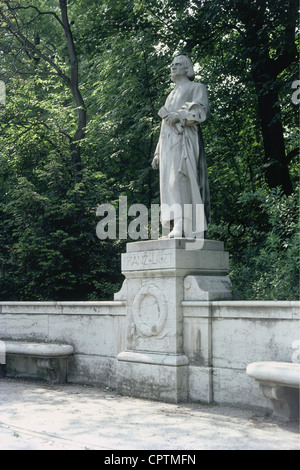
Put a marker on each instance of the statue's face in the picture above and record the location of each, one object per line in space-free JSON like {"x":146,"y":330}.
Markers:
{"x":178,"y":69}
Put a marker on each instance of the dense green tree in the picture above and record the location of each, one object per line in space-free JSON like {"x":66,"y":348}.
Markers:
{"x":84,"y":82}
{"x":257,"y":41}
{"x":27,"y":24}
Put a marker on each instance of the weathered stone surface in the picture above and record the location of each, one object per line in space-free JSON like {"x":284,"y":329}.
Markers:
{"x":281,"y":373}
{"x":207,"y":288}
{"x":38,"y":349}
{"x":156,"y":283}
{"x":220,"y":338}
{"x":280,"y":382}
{"x":37,"y":360}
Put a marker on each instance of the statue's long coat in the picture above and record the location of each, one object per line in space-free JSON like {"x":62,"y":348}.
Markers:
{"x":182,"y":160}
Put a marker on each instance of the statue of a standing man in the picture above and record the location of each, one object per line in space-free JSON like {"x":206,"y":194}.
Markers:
{"x":180,"y":153}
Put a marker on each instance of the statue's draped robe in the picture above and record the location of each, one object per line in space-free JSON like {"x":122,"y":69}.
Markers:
{"x":182,"y":160}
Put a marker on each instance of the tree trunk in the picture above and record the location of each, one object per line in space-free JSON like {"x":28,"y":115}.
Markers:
{"x":74,"y":86}
{"x":72,"y":81}
{"x":265,"y":72}
{"x":276,"y":164}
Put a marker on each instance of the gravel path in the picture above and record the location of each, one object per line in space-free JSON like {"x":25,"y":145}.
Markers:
{"x":37,"y":416}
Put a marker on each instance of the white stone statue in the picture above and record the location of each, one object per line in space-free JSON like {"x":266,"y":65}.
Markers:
{"x":180,"y":153}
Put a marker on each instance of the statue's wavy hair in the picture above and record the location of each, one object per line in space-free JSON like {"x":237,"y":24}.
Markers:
{"x":189,"y":66}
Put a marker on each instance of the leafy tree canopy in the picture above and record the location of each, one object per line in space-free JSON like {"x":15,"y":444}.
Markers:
{"x":84,"y":82}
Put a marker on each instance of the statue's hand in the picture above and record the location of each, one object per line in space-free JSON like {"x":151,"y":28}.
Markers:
{"x":155,"y":163}
{"x":173,"y":118}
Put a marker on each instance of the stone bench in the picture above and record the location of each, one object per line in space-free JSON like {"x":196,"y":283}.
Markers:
{"x":280,"y":382}
{"x":37,"y":360}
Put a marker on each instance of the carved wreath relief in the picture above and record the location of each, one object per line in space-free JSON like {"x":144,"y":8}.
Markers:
{"x":150,"y":311}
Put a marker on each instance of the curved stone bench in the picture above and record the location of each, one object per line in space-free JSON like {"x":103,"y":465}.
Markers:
{"x":37,"y":360}
{"x":280,"y":382}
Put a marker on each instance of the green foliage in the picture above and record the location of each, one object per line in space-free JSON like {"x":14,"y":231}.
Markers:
{"x":48,"y":244}
{"x":264,"y":245}
{"x":50,"y":250}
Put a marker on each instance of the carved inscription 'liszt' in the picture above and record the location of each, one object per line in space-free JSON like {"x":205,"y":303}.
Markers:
{"x":149,"y":259}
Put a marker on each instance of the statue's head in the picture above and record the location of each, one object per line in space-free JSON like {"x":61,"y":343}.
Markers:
{"x":182,"y":67}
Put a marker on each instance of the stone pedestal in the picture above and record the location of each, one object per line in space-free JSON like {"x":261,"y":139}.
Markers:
{"x":159,"y":275}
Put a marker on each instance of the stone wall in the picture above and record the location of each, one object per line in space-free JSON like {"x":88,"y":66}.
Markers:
{"x":220,"y":338}
{"x":95,"y":329}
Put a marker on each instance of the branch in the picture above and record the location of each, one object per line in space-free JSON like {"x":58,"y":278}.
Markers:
{"x":160,"y":19}
{"x":70,"y":41}
{"x":72,"y":81}
{"x":65,"y":134}
{"x":288,"y":56}
{"x":38,"y":11}
{"x":289,"y":50}
{"x":38,"y":123}
{"x":21,"y":36}
{"x":35,"y":73}
{"x":292,"y":154}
